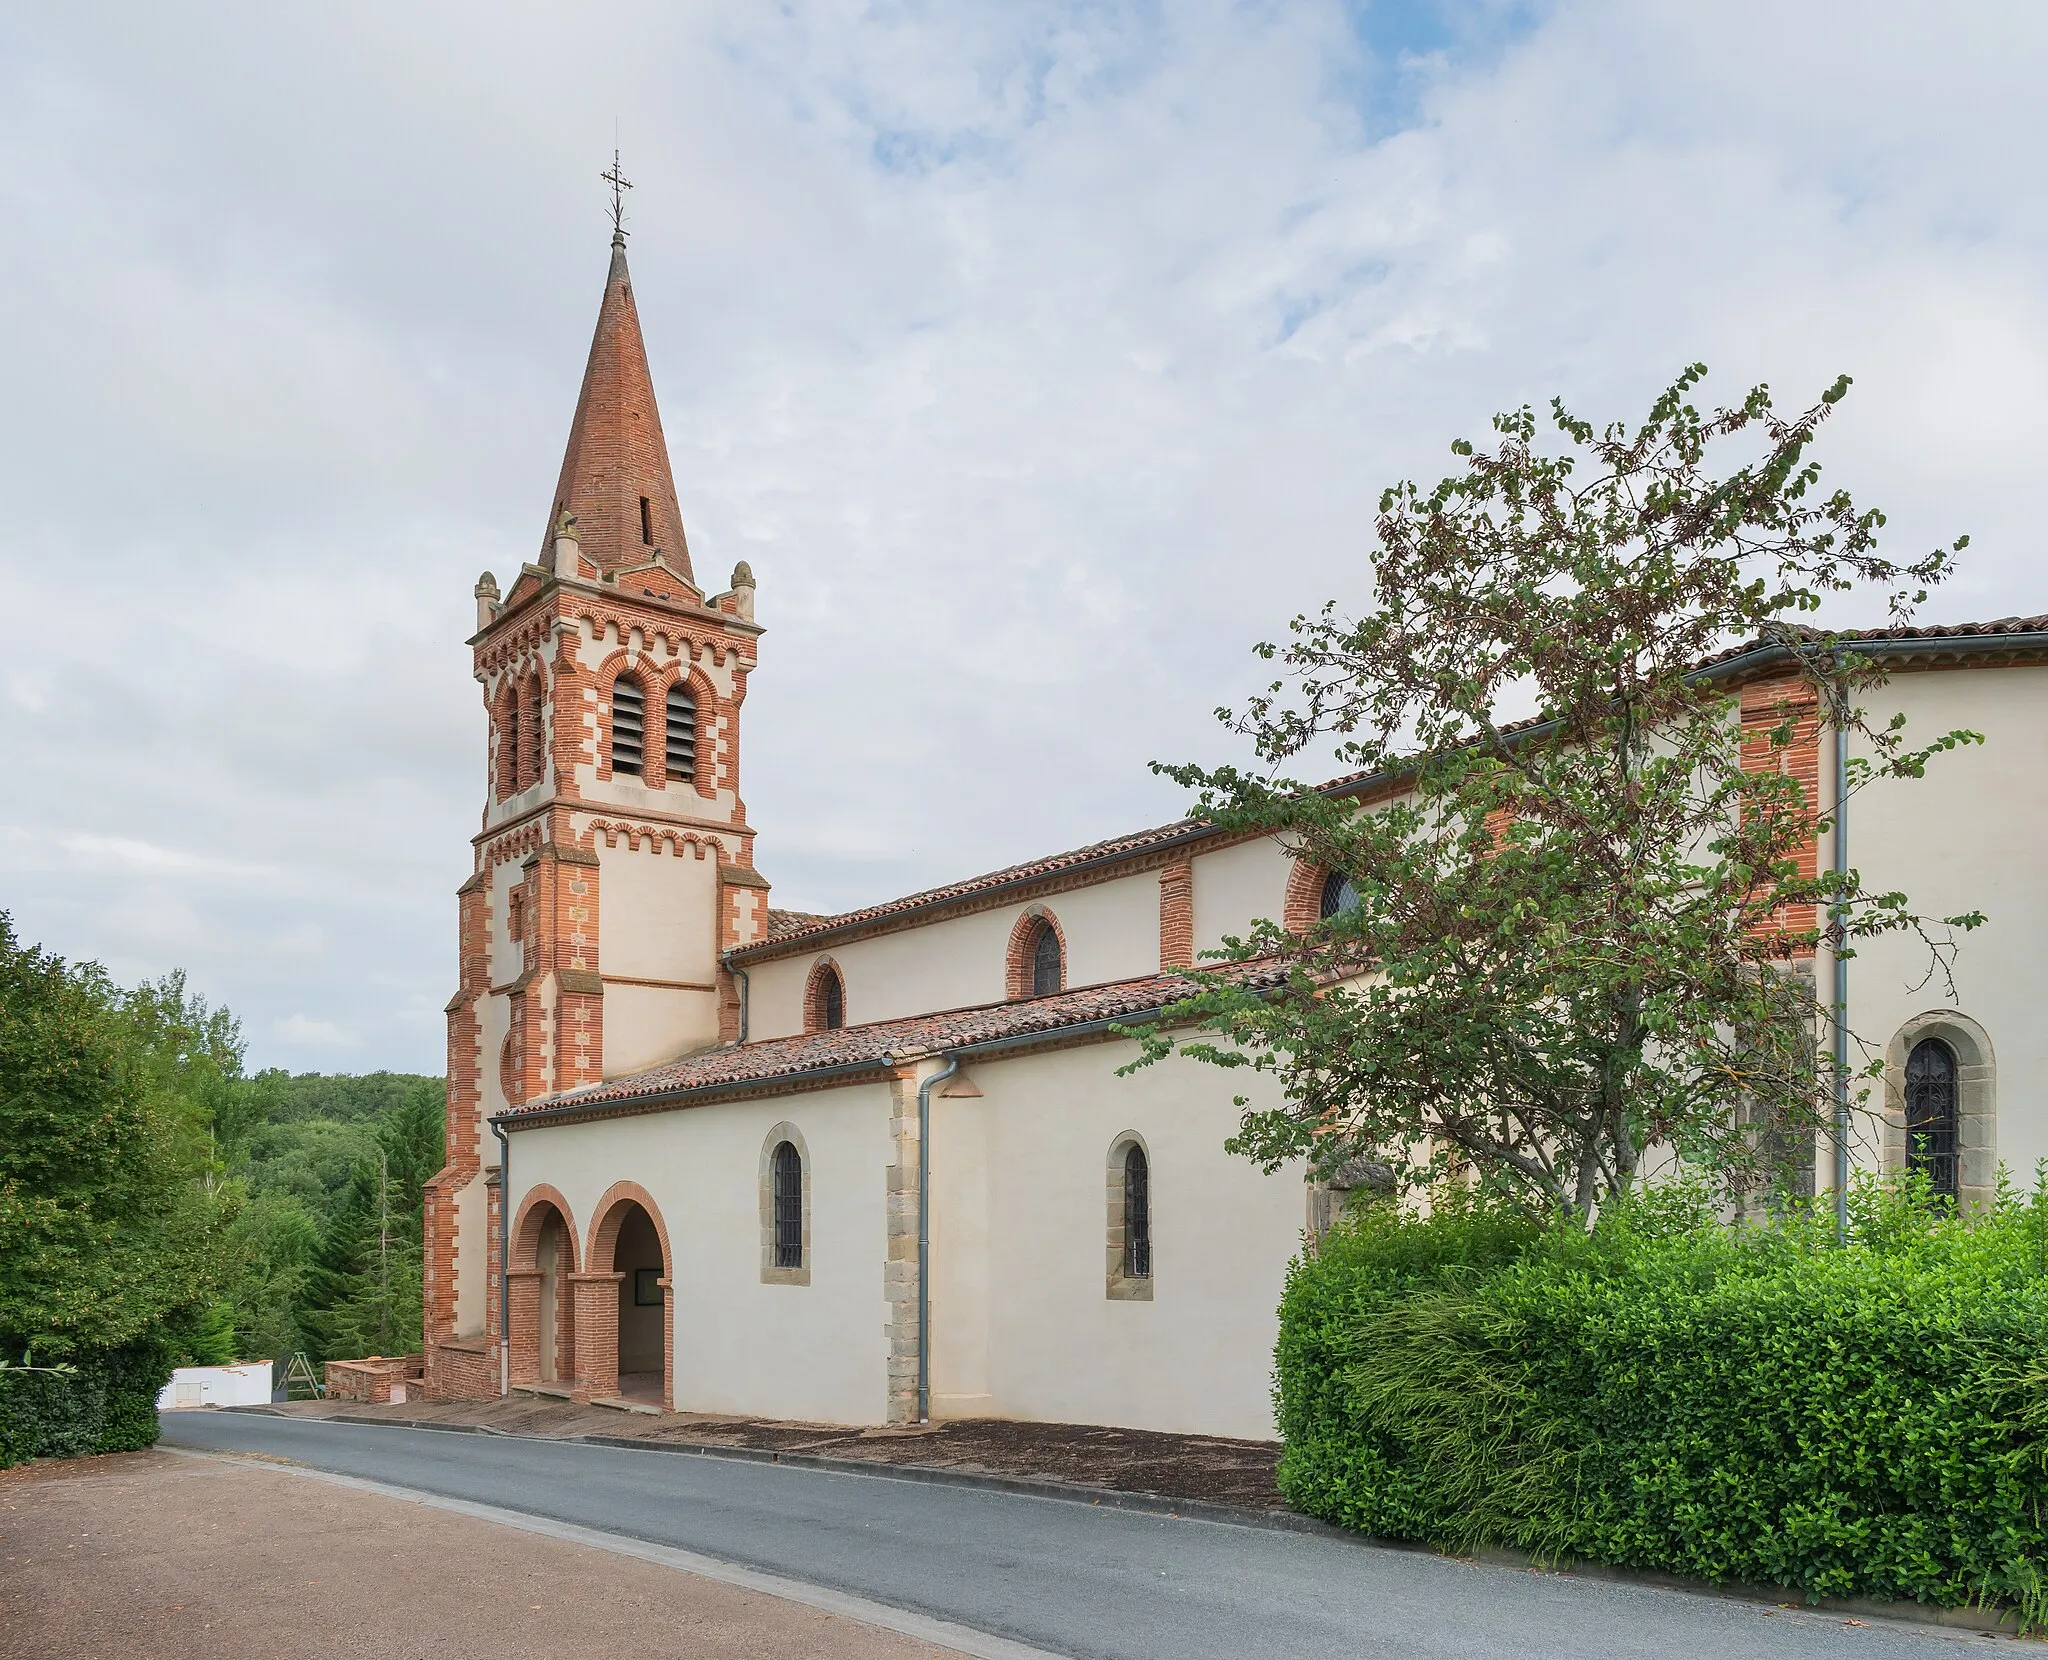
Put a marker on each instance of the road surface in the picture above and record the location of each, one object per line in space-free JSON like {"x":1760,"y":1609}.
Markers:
{"x":1066,"y":1578}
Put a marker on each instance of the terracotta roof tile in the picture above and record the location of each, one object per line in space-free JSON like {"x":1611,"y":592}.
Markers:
{"x":1116,"y":847}
{"x":1188,"y":828}
{"x":884,"y":1042}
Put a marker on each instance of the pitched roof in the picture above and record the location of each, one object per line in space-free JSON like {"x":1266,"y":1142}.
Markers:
{"x":1031,"y":870}
{"x":816,"y":930}
{"x":617,"y":457}
{"x":882,"y":1043}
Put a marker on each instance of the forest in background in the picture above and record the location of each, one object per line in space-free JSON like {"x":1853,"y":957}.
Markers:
{"x":324,"y":1251}
{"x":153,"y":1191}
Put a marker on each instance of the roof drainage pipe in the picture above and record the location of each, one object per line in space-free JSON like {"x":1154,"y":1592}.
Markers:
{"x":504,"y":1260}
{"x":739,"y":974}
{"x":924,"y":1236}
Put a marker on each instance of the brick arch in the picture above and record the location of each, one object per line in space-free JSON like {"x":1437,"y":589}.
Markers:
{"x":598,"y":1291}
{"x":1303,"y":907}
{"x":533,"y":727}
{"x":524,"y":1286}
{"x":648,"y":672}
{"x":1023,"y":940}
{"x":526,"y":1240}
{"x":708,"y":702}
{"x":825,"y":968}
{"x":506,"y":708}
{"x":611,"y":1212}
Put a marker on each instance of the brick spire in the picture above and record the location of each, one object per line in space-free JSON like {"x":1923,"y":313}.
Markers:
{"x":615,"y":473}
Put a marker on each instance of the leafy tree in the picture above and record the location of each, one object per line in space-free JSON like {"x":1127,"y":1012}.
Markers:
{"x":1570,"y":940}
{"x":364,"y":1290}
{"x":107,"y":1224}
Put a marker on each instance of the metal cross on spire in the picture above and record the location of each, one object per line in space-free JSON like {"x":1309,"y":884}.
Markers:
{"x":620,"y":185}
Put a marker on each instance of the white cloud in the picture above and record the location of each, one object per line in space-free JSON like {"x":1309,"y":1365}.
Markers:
{"x":1039,"y":357}
{"x":303,"y":1032}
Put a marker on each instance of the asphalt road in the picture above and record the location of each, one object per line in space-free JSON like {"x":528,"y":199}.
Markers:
{"x":1065,"y":1577}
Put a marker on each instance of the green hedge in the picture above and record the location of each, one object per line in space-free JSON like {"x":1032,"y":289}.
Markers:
{"x":1747,"y":1404}
{"x":105,"y":1403}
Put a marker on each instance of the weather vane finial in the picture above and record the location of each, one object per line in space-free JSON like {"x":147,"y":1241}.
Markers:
{"x":620,"y":185}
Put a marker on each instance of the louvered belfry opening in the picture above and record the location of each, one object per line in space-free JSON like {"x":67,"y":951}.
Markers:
{"x":536,"y":733}
{"x":1048,"y":972}
{"x":1137,"y":1214}
{"x":682,"y":733}
{"x":629,"y":725}
{"x":1933,"y":1115}
{"x":789,"y":1206}
{"x":508,"y":748}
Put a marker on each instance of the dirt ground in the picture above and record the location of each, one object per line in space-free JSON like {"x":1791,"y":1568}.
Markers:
{"x":1126,"y":1460}
{"x":150,"y":1556}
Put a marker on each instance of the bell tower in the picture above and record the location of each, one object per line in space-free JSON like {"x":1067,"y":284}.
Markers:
{"x":614,"y":864}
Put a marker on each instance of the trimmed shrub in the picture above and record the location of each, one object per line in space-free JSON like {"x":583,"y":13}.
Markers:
{"x":103,"y":1402}
{"x":1751,"y":1404}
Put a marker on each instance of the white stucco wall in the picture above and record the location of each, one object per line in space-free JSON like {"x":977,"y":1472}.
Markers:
{"x":658,"y":921}
{"x":1234,"y":886}
{"x":1020,"y":1175}
{"x":1111,"y":929}
{"x":1968,"y":836}
{"x":816,"y":1352}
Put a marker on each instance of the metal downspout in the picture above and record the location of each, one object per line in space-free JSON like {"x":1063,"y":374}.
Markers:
{"x":740,"y":974}
{"x":924,"y":1236}
{"x":1841,"y":988}
{"x":504,"y":1260}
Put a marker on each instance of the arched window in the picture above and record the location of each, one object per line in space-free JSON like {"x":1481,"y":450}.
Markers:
{"x":824,"y":998}
{"x":789,"y":1206}
{"x":1048,"y":971}
{"x":629,"y":724}
{"x":1137,"y":1214}
{"x":536,"y":735}
{"x":1933,"y":1115}
{"x":508,"y":748}
{"x":1340,"y":893}
{"x":682,"y":733}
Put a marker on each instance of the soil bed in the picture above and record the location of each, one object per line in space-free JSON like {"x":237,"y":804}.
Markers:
{"x":1205,"y":1467}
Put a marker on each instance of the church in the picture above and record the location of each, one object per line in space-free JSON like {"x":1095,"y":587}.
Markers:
{"x":877,"y":1168}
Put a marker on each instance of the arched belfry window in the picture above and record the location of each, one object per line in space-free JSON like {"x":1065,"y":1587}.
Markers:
{"x":1934,"y":1115}
{"x":1340,"y":893}
{"x":536,"y":735}
{"x":1137,"y":1214}
{"x":508,"y":748}
{"x":682,"y":733}
{"x":629,"y":724}
{"x":789,"y":1206}
{"x":1048,"y":967}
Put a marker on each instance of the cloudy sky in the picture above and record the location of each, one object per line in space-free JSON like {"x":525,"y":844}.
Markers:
{"x":1040,"y":357}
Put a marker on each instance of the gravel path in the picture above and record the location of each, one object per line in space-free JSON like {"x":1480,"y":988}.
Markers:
{"x":150,"y":1556}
